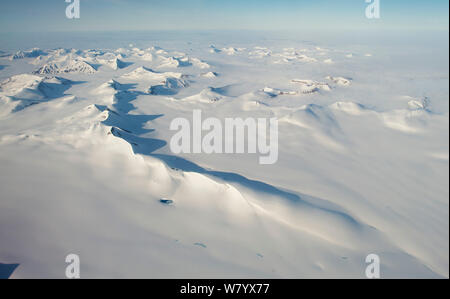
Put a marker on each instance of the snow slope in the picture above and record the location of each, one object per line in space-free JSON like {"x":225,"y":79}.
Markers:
{"x":86,"y":167}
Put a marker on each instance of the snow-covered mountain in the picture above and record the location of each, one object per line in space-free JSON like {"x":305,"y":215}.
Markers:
{"x":87,"y":168}
{"x":21,"y":91}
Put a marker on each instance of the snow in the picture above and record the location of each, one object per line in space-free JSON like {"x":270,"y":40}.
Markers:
{"x":363,"y":158}
{"x":339,"y":80}
{"x":72,"y":66}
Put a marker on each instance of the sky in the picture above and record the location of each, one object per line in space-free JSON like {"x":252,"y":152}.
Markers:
{"x":127,"y":15}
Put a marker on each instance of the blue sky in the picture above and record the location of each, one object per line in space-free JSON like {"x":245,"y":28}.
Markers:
{"x":100,"y":15}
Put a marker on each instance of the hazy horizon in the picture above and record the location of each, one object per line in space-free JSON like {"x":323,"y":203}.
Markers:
{"x":121,"y":15}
